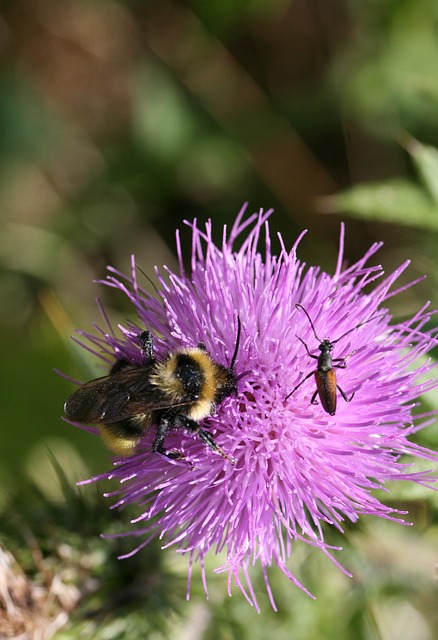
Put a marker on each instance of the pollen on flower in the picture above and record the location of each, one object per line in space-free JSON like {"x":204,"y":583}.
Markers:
{"x":298,"y":467}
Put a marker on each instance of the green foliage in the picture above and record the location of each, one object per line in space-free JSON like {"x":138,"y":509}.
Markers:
{"x":397,"y":201}
{"x":394,"y":86}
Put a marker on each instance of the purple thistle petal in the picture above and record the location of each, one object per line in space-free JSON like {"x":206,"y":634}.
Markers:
{"x":297,"y":468}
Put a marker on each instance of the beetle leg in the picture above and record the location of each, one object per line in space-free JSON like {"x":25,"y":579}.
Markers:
{"x":344,"y":395}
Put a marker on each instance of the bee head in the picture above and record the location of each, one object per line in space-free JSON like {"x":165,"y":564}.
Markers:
{"x":226,"y":383}
{"x":226,"y":378}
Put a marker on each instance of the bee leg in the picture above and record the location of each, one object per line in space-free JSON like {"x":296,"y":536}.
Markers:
{"x":147,"y":350}
{"x":147,"y":346}
{"x":194,"y":427}
{"x":165,"y":425}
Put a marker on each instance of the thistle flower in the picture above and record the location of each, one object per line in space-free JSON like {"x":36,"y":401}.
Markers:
{"x":297,"y":468}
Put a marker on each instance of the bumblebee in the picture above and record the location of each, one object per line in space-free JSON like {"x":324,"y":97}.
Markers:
{"x":175,"y":393}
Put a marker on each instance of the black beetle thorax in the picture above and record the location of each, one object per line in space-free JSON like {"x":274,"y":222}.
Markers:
{"x":325,"y":362}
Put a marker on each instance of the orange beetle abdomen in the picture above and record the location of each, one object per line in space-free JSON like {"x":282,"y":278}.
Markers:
{"x":326,"y":386}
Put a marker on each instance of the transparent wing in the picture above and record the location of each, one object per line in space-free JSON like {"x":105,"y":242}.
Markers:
{"x":117,"y":397}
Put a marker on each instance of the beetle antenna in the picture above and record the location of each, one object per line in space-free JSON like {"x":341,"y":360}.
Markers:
{"x":236,"y":349}
{"x":300,"y":307}
{"x":356,"y":327}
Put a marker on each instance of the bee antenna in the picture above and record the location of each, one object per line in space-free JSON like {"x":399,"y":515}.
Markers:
{"x":236,"y":349}
{"x":146,"y":276}
{"x":301,"y":308}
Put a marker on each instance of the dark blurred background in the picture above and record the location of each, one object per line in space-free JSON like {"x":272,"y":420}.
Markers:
{"x":118,"y":120}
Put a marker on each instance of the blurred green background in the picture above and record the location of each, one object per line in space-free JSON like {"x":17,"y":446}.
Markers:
{"x":118,"y":120}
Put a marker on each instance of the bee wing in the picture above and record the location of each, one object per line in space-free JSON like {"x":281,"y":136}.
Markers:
{"x":116,"y":397}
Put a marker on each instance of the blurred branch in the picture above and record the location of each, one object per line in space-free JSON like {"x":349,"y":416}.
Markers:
{"x":232,"y":98}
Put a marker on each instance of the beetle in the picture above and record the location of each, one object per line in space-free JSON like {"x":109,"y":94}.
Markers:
{"x":325,"y":374}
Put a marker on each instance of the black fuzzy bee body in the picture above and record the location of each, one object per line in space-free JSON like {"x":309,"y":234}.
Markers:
{"x":175,"y":393}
